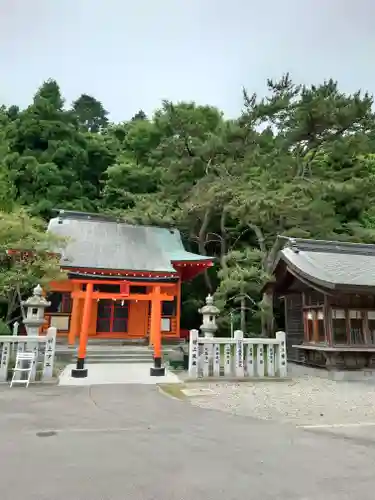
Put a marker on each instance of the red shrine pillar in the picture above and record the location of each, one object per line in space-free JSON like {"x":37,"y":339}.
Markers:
{"x":80,"y":371}
{"x":155,"y":333}
{"x":74,"y":320}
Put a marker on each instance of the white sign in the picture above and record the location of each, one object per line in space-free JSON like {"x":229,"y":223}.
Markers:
{"x":5,"y":354}
{"x":238,"y":335}
{"x":49,"y":354}
{"x":250,"y":360}
{"x":260,"y":360}
{"x":35,"y":351}
{"x":227,"y":359}
{"x":270,"y":361}
{"x":206,"y":361}
{"x":216,"y":370}
{"x":193,"y":353}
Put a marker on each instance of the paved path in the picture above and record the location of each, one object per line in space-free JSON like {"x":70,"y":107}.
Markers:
{"x":130,"y":442}
{"x":116,"y":373}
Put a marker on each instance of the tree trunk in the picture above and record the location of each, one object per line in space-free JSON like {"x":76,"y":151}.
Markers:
{"x":267,"y":318}
{"x":267,"y":315}
{"x":223,"y":240}
{"x":269,"y":258}
{"x":243,"y":314}
{"x":202,"y":246}
{"x":23,"y":313}
{"x":11,"y":305}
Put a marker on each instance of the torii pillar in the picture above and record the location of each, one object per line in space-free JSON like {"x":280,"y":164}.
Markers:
{"x":155,"y":333}
{"x":80,"y":371}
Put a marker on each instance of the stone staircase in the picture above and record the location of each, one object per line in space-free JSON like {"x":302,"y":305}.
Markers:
{"x":111,"y":351}
{"x":121,"y":354}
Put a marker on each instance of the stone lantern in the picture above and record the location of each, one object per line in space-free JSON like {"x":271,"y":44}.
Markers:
{"x":209,"y":313}
{"x":35,"y":307}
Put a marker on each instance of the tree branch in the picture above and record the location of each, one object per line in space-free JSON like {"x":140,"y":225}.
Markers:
{"x":218,"y":236}
{"x":260,"y":237}
{"x":187,"y":147}
{"x":223,"y":242}
{"x":273,"y":253}
{"x":20,"y":300}
{"x":202,"y":244}
{"x":239,"y":237}
{"x":11,"y":305}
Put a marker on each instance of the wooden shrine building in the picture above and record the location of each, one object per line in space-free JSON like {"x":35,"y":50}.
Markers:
{"x":328,"y":290}
{"x":124,"y":281}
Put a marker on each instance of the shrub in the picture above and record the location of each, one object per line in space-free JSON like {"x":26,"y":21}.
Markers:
{"x":4,"y":328}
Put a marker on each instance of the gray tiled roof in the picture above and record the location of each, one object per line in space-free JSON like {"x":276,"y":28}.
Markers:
{"x":100,"y":243}
{"x":330,"y":263}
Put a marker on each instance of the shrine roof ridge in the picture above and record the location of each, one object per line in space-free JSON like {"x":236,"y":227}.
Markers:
{"x":98,"y":243}
{"x":101,"y":217}
{"x":329,"y":264}
{"x":328,"y":246}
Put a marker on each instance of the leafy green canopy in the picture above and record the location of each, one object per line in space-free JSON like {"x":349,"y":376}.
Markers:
{"x":299,"y":161}
{"x":26,"y":257}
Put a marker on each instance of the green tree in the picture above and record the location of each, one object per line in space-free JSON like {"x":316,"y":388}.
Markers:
{"x":27,"y":257}
{"x":50,"y":161}
{"x":310,"y":183}
{"x":140,"y":115}
{"x":234,"y":186}
{"x":298,"y":161}
{"x":91,"y":113}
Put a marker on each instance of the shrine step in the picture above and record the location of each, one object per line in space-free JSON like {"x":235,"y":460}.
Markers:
{"x":108,"y":354}
{"x":118,"y":358}
{"x":106,"y":343}
{"x":118,"y":342}
{"x":140,"y":342}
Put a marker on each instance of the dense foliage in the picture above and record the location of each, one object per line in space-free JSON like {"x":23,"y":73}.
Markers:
{"x":300,"y":161}
{"x":25,"y":260}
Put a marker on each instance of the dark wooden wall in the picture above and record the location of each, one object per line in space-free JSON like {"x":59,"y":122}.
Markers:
{"x":352,"y":301}
{"x":293,"y":323}
{"x":313,"y":298}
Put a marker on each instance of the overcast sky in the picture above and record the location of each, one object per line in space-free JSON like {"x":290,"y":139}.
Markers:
{"x":131,"y":54}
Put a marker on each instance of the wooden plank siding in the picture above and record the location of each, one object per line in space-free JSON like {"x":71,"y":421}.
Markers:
{"x":173,"y":331}
{"x":293,"y":324}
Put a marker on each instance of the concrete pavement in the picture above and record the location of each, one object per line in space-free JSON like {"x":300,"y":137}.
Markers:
{"x":117,"y":442}
{"x":117,"y":373}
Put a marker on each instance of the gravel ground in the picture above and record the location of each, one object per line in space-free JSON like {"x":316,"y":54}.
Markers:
{"x":303,"y":401}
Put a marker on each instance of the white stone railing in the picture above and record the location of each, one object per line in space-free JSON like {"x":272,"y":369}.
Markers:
{"x":238,"y":358}
{"x":42,"y":346}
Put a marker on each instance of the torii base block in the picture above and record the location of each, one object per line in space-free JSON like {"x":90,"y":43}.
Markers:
{"x":80,"y":371}
{"x":77,"y":373}
{"x":157,"y":370}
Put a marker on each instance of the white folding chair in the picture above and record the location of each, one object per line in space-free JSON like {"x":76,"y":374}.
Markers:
{"x":24,"y":365}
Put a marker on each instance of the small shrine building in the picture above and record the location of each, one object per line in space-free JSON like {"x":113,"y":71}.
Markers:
{"x":328,"y":289}
{"x":124,"y":281}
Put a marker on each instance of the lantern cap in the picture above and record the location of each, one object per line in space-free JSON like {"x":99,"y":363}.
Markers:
{"x":37,"y":299}
{"x":209,"y":308}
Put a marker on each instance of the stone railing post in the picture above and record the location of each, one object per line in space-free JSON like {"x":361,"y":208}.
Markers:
{"x":281,"y":354}
{"x":193,"y":353}
{"x":239,"y":368}
{"x":15,"y":328}
{"x":4,"y":363}
{"x":49,"y":353}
